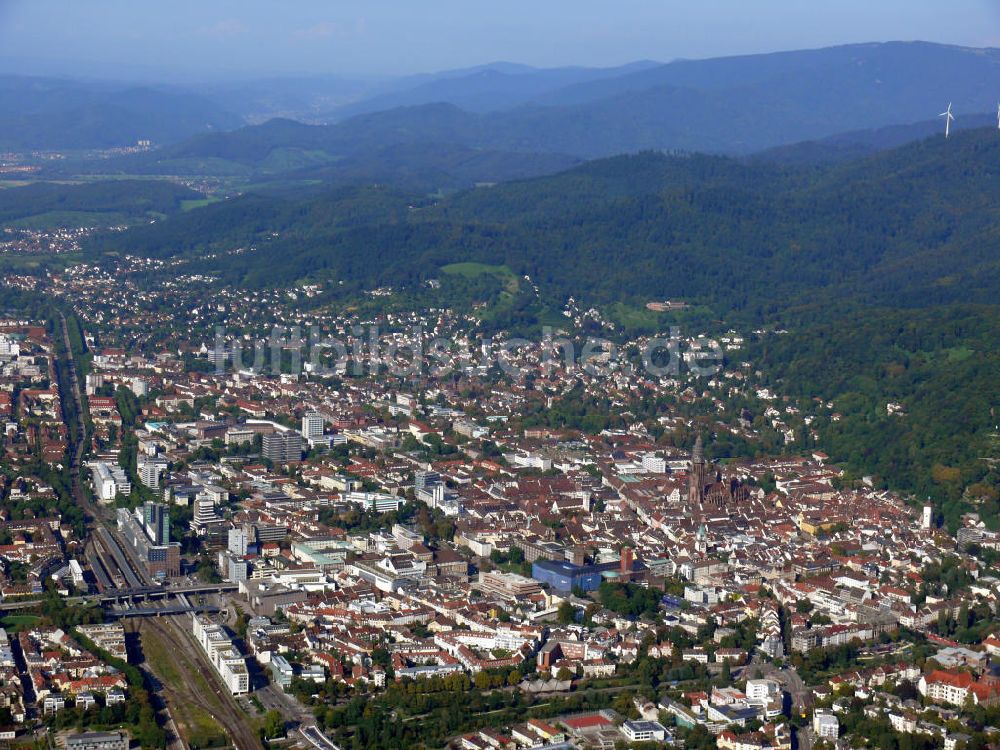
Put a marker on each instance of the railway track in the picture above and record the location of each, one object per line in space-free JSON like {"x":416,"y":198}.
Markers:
{"x":190,"y":661}
{"x":77,"y":447}
{"x":106,"y":558}
{"x":109,"y":543}
{"x":100,"y":568}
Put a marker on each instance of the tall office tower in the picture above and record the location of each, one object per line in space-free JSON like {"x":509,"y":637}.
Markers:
{"x":156,"y":519}
{"x":312,"y":425}
{"x":283,"y":447}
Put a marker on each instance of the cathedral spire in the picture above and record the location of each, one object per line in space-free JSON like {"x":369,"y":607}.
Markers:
{"x":698,"y":454}
{"x":696,"y":479}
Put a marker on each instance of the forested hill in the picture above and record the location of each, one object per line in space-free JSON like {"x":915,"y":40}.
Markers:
{"x":940,"y":364}
{"x":908,"y":227}
{"x":107,"y":203}
{"x":858,"y":144}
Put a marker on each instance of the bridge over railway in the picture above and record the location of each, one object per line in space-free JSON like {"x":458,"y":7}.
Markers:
{"x":130,"y":596}
{"x":154,"y":592}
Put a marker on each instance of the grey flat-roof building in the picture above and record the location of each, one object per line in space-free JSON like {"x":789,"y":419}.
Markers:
{"x":282,"y":447}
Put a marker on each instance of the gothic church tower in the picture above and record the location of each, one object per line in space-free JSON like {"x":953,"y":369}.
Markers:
{"x":696,"y":480}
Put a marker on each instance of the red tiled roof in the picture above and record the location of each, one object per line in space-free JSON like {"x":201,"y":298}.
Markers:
{"x":584,"y":722}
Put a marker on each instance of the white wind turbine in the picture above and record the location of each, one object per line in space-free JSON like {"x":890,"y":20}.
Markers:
{"x":949,"y":118}
{"x":998,"y":116}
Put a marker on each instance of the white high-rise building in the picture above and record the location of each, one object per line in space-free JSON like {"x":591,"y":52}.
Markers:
{"x":762,"y":690}
{"x":228,"y":662}
{"x":438,"y":496}
{"x":109,"y":481}
{"x":150,"y":470}
{"x":205,"y":514}
{"x":139,"y":387}
{"x":239,"y":540}
{"x":312,"y":425}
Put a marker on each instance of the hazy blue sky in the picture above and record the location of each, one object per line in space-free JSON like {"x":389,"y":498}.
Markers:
{"x":220,"y":38}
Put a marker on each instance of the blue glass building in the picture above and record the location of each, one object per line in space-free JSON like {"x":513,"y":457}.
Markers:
{"x":564,"y":576}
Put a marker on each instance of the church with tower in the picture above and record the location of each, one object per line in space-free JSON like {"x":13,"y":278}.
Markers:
{"x":696,"y":478}
{"x":709,"y":491}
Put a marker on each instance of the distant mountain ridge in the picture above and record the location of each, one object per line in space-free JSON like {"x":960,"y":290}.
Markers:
{"x":51,"y":113}
{"x":856,"y":144}
{"x":506,"y":121}
{"x":728,"y":106}
{"x":488,"y":88}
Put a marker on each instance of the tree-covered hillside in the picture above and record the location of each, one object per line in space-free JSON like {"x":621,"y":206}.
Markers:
{"x":92,"y":204}
{"x":909,"y":227}
{"x":938,"y":365}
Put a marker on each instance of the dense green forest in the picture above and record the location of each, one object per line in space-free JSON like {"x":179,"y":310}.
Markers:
{"x":908,"y":227}
{"x":883,"y":270}
{"x":257,"y":154}
{"x":93,"y":203}
{"x":940,"y":364}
